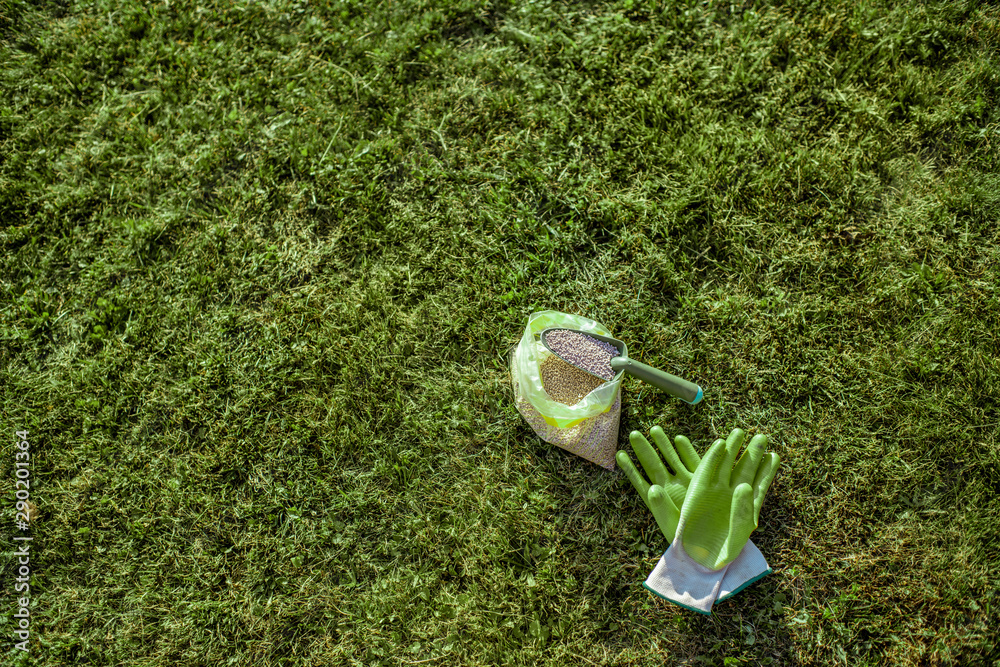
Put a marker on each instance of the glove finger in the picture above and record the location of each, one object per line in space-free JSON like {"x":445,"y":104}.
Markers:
{"x":663,"y":444}
{"x":765,"y":475}
{"x":650,"y":460}
{"x":742,"y":522}
{"x":638,"y":483}
{"x":746,"y":467}
{"x":664,"y":511}
{"x":733,"y":443}
{"x":687,"y":452}
{"x":709,"y":466}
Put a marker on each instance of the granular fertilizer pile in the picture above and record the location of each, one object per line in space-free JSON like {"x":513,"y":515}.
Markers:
{"x":583,"y":351}
{"x":586,"y":422}
{"x":564,"y":383}
{"x":595,"y":439}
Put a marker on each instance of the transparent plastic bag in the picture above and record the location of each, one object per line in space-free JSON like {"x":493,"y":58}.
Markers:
{"x":588,"y":428}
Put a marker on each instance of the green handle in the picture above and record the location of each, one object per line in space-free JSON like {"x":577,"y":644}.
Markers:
{"x":688,"y":392}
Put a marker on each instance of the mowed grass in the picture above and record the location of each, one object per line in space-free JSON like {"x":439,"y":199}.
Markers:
{"x":263,"y":263}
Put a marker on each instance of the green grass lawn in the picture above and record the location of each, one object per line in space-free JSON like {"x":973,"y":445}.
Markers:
{"x":263,"y":263}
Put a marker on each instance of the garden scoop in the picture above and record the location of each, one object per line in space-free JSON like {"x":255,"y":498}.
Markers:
{"x":605,"y":357}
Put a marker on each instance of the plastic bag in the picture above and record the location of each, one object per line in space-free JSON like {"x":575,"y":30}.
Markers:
{"x":588,"y":428}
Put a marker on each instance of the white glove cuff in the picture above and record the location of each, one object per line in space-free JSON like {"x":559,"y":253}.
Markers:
{"x":749,"y":566}
{"x":684,"y":582}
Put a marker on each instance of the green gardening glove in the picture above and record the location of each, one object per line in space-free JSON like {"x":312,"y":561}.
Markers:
{"x":666,"y":494}
{"x":723,"y":502}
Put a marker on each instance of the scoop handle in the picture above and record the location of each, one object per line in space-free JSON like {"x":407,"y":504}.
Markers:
{"x":688,"y":392}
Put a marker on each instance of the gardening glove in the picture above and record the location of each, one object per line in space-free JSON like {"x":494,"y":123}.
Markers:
{"x":750,"y":565}
{"x":719,"y":512}
{"x":683,"y":459}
